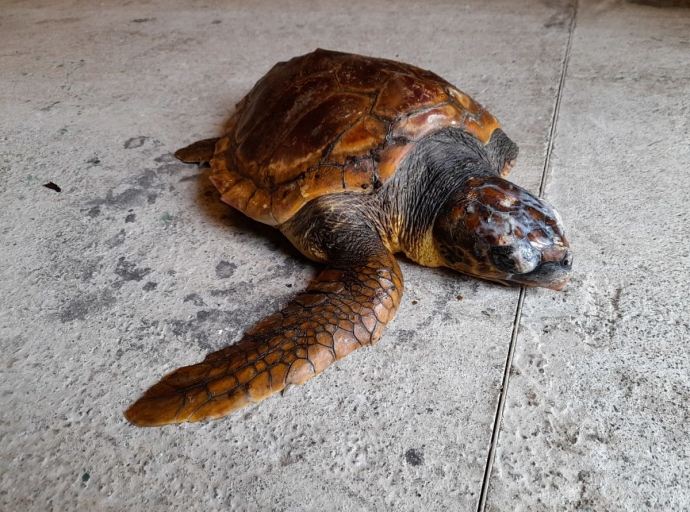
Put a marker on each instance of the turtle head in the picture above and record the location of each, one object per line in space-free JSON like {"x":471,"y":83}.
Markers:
{"x":498,"y":231}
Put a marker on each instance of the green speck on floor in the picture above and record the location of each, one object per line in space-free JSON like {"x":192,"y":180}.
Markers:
{"x":166,"y":217}
{"x":30,"y":180}
{"x":62,"y":131}
{"x":85,"y":477}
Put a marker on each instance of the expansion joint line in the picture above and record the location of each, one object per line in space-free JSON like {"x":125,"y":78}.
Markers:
{"x":521,"y":298}
{"x":557,"y":106}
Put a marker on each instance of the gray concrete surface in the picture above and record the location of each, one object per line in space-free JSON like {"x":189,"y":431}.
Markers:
{"x":135,"y":268}
{"x":599,"y":399}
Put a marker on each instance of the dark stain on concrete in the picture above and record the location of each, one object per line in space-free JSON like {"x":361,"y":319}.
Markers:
{"x":291,"y":267}
{"x":414,"y":457}
{"x":59,"y":21}
{"x":135,"y":142}
{"x":147,"y":179}
{"x":209,"y":321}
{"x":116,"y":241}
{"x":130,"y":218}
{"x":206,"y":321}
{"x":150,"y":286}
{"x":194,"y":299}
{"x":405,"y":335}
{"x":145,"y":331}
{"x":78,"y":308}
{"x":129,"y":271}
{"x":225,"y":269}
{"x":125,"y":199}
{"x":236,"y":290}
{"x":69,"y":268}
{"x":86,"y":270}
{"x":145,"y":186}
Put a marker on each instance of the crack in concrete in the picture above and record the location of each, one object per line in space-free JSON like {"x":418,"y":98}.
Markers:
{"x":503,"y":392}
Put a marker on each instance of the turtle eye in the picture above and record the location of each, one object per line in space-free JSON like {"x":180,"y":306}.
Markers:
{"x":502,"y":258}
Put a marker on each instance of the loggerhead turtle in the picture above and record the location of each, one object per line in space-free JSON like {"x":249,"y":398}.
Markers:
{"x":355,"y":159}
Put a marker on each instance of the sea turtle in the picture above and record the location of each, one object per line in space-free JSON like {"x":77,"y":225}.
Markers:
{"x":355,"y":159}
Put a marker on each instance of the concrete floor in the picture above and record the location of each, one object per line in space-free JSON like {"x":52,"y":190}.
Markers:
{"x":136,"y":268}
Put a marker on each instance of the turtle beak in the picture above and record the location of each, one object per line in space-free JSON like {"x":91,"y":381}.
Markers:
{"x":553,"y":272}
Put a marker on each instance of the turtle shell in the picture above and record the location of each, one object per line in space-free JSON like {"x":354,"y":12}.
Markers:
{"x":328,"y":123}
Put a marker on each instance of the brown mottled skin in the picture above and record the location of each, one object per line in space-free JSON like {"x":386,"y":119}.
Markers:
{"x":355,"y":159}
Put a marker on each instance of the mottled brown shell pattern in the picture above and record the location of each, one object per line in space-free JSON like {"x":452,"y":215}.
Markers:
{"x":330,"y":122}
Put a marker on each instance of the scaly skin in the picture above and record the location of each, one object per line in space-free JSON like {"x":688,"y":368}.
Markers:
{"x":347,"y":307}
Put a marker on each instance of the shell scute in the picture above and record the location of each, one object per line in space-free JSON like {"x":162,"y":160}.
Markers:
{"x":391,"y":156}
{"x":403,"y":94}
{"x":303,"y":147}
{"x":361,"y":75}
{"x":320,"y":181}
{"x":360,"y":175}
{"x":421,"y":124}
{"x":358,"y":141}
{"x":266,"y":121}
{"x":260,"y":203}
{"x":287,"y":199}
{"x":240,"y":194}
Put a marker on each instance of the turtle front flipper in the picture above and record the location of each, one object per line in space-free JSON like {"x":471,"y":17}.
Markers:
{"x":200,"y":152}
{"x":502,"y":152}
{"x":347,"y":307}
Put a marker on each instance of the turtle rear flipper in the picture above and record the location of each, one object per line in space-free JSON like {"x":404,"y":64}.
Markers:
{"x":347,"y":307}
{"x":200,"y":152}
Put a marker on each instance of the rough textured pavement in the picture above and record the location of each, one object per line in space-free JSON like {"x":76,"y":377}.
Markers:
{"x":136,"y":268}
